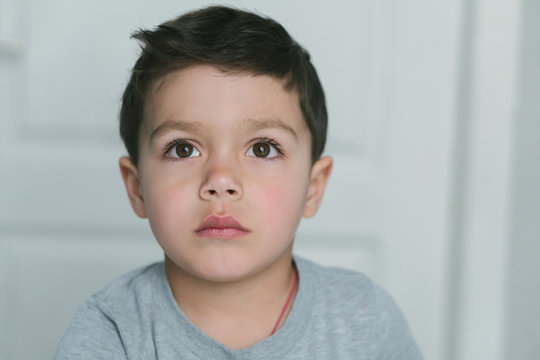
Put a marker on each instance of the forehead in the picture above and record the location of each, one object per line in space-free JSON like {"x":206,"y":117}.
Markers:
{"x":216,"y":99}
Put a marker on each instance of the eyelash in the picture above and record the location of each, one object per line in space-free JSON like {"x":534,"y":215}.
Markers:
{"x":170,"y":145}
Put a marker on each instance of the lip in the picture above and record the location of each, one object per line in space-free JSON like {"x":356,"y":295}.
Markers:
{"x":221,"y":227}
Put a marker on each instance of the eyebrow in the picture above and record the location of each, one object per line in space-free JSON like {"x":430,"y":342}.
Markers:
{"x":260,"y":124}
{"x":198,"y":127}
{"x":169,"y":125}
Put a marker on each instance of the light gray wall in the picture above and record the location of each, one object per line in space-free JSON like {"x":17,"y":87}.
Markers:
{"x":411,"y":76}
{"x":523,"y":288}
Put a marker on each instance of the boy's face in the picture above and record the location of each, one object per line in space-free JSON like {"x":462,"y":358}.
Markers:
{"x":225,"y":173}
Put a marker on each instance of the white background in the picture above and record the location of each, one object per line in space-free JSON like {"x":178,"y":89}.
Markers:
{"x":434,"y":128}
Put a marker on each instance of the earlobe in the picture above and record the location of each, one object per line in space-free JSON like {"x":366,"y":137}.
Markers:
{"x":130,"y":175}
{"x":320,"y":172}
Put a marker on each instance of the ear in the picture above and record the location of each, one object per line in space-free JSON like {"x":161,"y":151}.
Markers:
{"x":320,"y":172}
{"x":130,"y":174}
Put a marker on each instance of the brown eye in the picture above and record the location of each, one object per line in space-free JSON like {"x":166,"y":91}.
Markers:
{"x":261,"y":150}
{"x":264,"y":149}
{"x":184,"y":150}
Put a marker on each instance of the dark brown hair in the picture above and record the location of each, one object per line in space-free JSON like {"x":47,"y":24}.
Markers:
{"x":232,"y":40}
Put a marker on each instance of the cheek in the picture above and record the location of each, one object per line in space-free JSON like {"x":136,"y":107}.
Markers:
{"x":167,"y":204}
{"x":283,"y":199}
{"x":167,"y":201}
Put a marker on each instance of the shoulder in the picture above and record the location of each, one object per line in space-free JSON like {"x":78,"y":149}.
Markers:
{"x":96,"y":330}
{"x":349,"y":302}
{"x":137,"y":283}
{"x":337,"y":284}
{"x":127,"y":295}
{"x":346,"y":286}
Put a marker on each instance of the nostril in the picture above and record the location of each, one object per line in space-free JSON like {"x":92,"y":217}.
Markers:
{"x":218,"y":192}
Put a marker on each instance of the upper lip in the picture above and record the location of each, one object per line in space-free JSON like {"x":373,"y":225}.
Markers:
{"x":220,"y":222}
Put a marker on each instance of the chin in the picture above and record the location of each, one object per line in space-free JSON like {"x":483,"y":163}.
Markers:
{"x":227,"y":271}
{"x":220,"y":269}
{"x":226,"y":265}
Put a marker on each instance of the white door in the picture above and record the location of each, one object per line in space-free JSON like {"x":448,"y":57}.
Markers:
{"x":66,"y":227}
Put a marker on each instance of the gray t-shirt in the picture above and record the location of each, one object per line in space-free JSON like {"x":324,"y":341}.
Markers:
{"x":337,"y":314}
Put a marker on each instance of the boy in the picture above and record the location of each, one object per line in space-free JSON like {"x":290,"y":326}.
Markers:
{"x":224,"y":120}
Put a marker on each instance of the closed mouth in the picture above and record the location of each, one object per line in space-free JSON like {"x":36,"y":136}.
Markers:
{"x":221,"y":227}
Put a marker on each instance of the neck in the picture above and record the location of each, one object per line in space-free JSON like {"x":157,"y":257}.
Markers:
{"x":239,"y":313}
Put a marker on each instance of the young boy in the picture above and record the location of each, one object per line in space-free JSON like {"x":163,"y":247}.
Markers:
{"x":224,"y":120}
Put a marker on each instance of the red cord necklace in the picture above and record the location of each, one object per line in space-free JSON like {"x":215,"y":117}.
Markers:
{"x":295,"y":280}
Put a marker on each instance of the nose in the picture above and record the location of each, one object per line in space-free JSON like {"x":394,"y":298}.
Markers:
{"x":220,"y":183}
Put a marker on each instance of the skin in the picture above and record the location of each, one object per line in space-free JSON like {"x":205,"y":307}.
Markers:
{"x":231,"y":283}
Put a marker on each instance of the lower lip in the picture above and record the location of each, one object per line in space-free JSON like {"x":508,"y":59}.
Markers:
{"x":221,"y":233}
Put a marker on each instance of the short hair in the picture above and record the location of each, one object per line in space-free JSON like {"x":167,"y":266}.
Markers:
{"x":232,"y":40}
